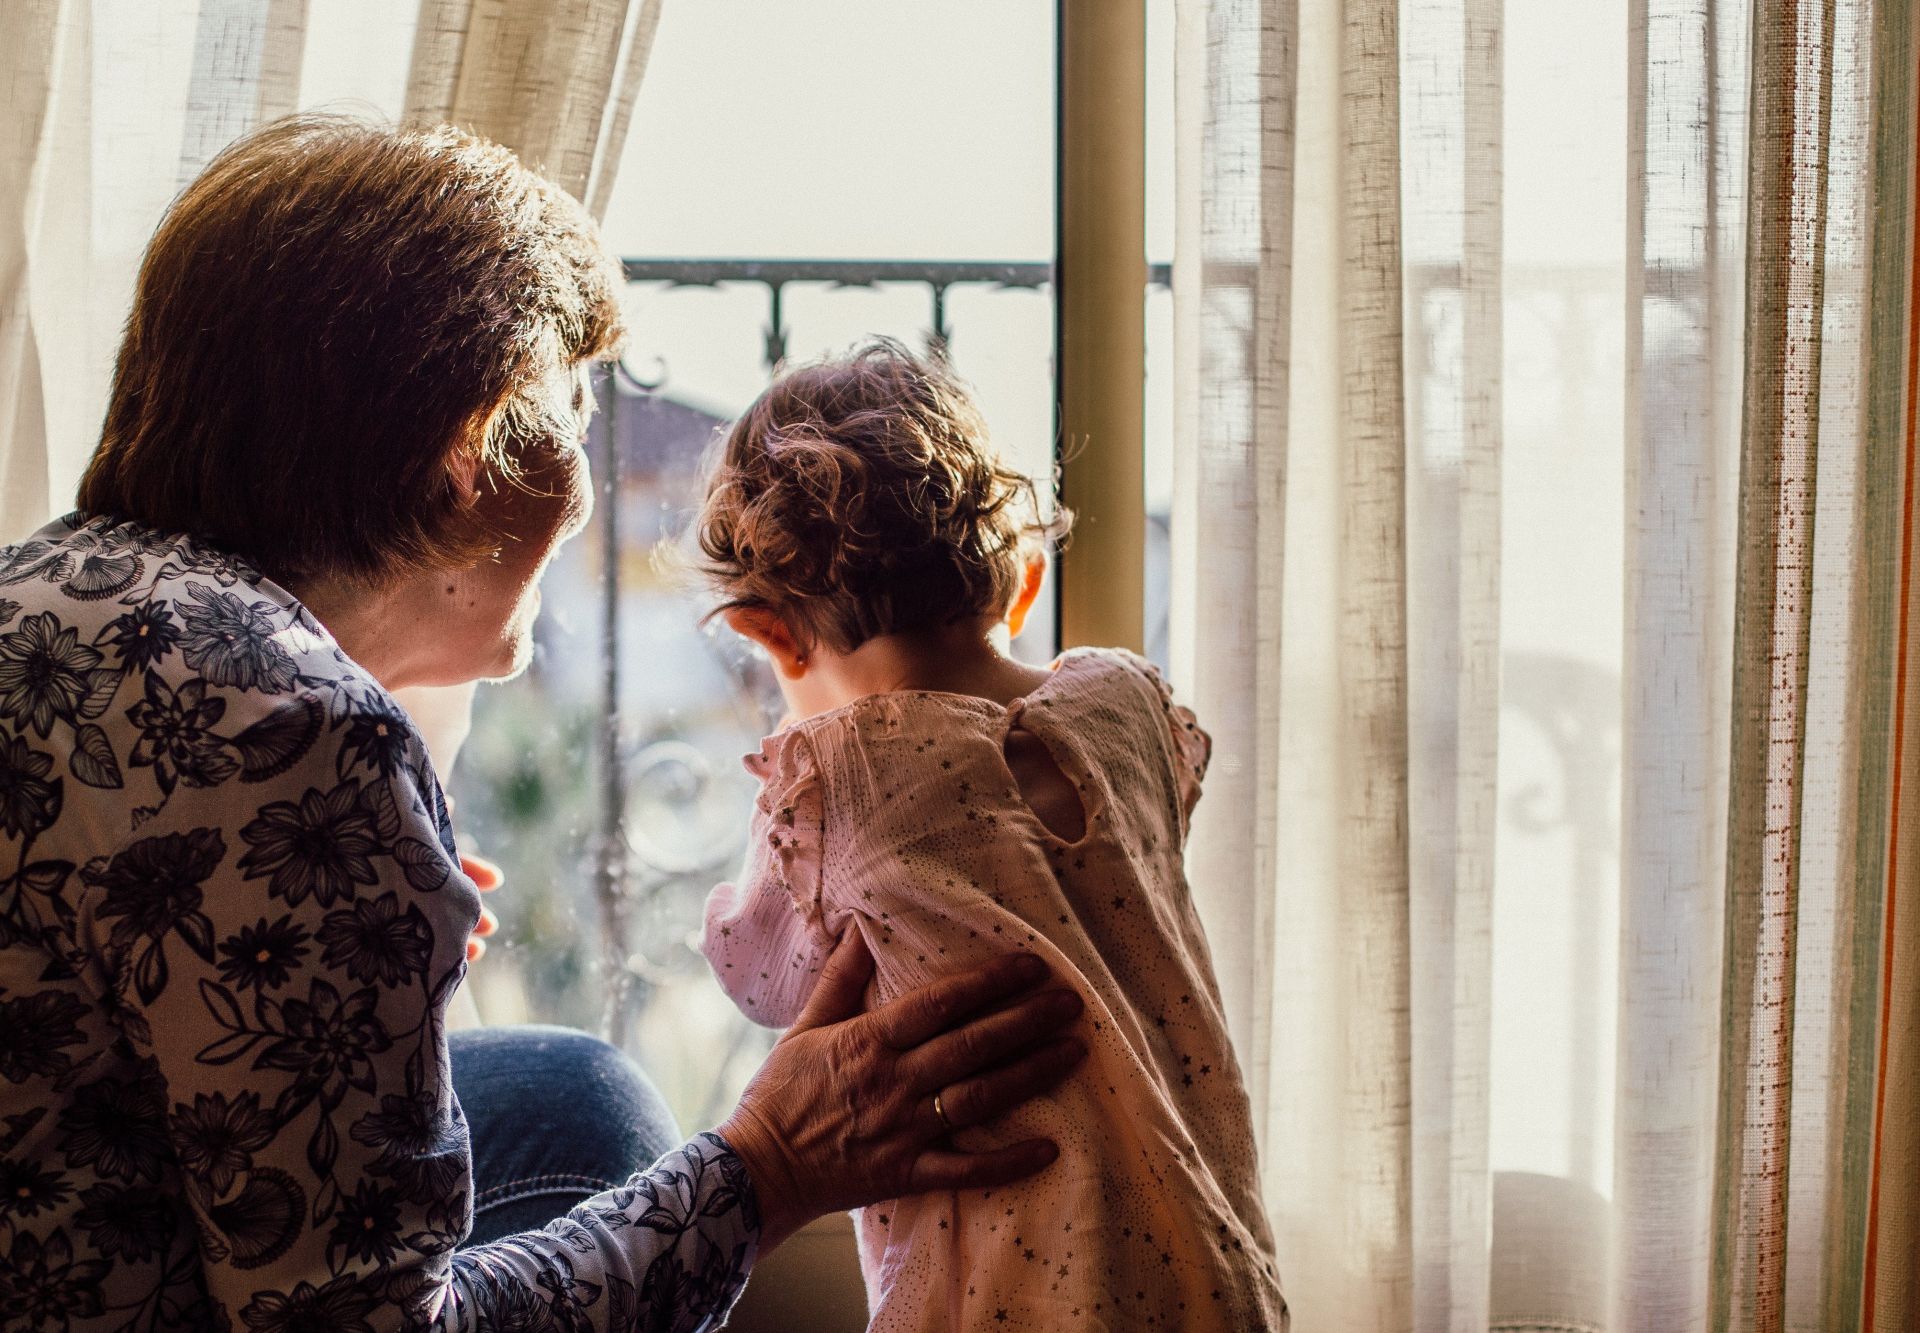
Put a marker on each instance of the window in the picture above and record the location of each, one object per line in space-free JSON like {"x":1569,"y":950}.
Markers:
{"x":906,"y":153}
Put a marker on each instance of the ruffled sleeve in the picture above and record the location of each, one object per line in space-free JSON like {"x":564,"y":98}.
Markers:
{"x":765,"y":937}
{"x":1192,"y":746}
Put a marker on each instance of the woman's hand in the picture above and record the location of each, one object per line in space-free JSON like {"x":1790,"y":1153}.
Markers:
{"x":486,"y":877}
{"x":842,"y":1112}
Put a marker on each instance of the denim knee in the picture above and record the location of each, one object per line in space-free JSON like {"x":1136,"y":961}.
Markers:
{"x":555,"y":1116}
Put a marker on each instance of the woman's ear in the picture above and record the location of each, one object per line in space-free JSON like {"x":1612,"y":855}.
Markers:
{"x":767,"y":628}
{"x":463,"y":468}
{"x":1031,"y":579}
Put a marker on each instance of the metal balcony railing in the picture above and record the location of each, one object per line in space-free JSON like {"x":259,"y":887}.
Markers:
{"x":937,"y":276}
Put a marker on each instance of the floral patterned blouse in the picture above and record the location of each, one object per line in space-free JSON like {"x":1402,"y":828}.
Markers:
{"x":231,"y":918}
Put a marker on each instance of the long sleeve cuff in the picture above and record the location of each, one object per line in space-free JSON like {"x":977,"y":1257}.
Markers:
{"x":670,"y":1249}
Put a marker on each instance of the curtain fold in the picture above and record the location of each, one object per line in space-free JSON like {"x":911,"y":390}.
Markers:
{"x":1786,"y":271}
{"x":1883,"y":1273}
{"x":1452,"y":204}
{"x":1235,"y":71}
{"x":555,"y":80}
{"x":30,"y":42}
{"x":1686,"y":195}
{"x":1372,"y":873}
{"x":113,"y":104}
{"x":1730,"y":1145}
{"x":246,"y":70}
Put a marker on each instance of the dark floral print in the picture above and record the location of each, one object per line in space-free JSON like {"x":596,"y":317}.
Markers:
{"x":144,"y":635}
{"x":49,"y":558}
{"x":215,"y":1138}
{"x":520,"y":1309}
{"x":28,"y":1188}
{"x":405,"y":1124}
{"x":155,"y":883}
{"x":572,"y":1296}
{"x":376,"y":941}
{"x":263,"y":956}
{"x":422,"y":1147}
{"x":339,"y":1306}
{"x":132,"y":1222}
{"x":42,"y":1285}
{"x":44,"y":673}
{"x":28,"y":800}
{"x":153,"y":889}
{"x":322,"y":845}
{"x":176,"y":735}
{"x":35,"y":1032}
{"x":216,"y":1115}
{"x":102,"y":574}
{"x":118,"y":1127}
{"x":367,"y":1226}
{"x":328,"y":1043}
{"x":230,"y":642}
{"x":378,"y":739}
{"x":262,"y":1219}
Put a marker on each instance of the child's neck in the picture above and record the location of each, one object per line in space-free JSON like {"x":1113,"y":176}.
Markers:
{"x":955,"y":659}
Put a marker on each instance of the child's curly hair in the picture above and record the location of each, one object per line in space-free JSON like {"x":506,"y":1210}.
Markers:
{"x":861,"y":496}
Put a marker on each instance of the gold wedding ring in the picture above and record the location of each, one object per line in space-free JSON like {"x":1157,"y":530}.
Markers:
{"x":941,"y":1111}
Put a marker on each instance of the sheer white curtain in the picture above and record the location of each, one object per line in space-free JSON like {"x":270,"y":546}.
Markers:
{"x":110,"y":105}
{"x":1537,"y":516}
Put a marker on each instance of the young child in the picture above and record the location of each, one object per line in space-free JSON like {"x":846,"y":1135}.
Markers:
{"x":950,"y":803}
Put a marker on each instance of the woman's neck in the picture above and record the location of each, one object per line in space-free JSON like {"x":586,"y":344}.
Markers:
{"x":379,"y":629}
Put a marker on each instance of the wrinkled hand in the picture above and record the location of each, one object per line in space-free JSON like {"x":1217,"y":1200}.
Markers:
{"x":841,"y":1114}
{"x":486,"y":877}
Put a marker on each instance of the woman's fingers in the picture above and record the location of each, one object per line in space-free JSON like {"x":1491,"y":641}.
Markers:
{"x":919,"y":1015}
{"x":486,"y":876}
{"x":976,"y":1100}
{"x":991,"y":1040}
{"x":842,"y":987}
{"x":941,"y":1169}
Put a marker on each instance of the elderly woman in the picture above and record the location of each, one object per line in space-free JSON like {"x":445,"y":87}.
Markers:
{"x":342,"y":444}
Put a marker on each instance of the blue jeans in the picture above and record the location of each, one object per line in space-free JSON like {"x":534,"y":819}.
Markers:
{"x":556,"y":1116}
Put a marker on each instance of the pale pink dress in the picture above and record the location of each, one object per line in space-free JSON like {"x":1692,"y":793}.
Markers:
{"x":898,"y":816}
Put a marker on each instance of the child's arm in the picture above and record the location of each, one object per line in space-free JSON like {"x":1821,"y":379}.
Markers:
{"x":765,"y":937}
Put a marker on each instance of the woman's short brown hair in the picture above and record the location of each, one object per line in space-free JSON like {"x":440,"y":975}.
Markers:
{"x":332,"y":320}
{"x":861,"y":496}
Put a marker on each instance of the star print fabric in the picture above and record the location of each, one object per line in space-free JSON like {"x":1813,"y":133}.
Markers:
{"x":898,"y":816}
{"x":231,"y":917}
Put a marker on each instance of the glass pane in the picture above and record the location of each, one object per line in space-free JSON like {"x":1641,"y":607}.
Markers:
{"x":851,"y":133}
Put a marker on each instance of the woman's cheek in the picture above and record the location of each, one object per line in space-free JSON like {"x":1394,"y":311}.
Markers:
{"x":556,"y":502}
{"x":580,"y":494}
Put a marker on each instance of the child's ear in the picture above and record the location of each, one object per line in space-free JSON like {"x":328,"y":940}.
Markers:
{"x":1031,"y":578}
{"x":767,"y":628}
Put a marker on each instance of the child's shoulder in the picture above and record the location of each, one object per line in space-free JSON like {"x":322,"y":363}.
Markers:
{"x":1110,"y":672}
{"x":1128,"y":695}
{"x":1116,"y":662}
{"x":802,"y":748}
